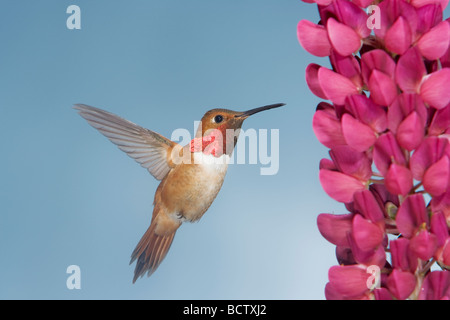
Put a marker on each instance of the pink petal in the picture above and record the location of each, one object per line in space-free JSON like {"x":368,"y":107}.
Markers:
{"x":375,"y":257}
{"x":385,"y":20}
{"x":349,"y":281}
{"x":402,"y":106}
{"x":411,"y":214}
{"x":366,"y":204}
{"x":399,"y":253}
{"x":445,"y":59}
{"x":387,"y":151}
{"x":382,"y":294}
{"x":330,"y":291}
{"x":368,"y":112}
{"x":348,"y":66}
{"x":442,"y":204}
{"x":430,"y":151}
{"x":353,"y":16}
{"x":398,"y":38}
{"x":335,"y":86}
{"x":410,"y":71}
{"x":351,"y":162}
{"x":327,"y":128}
{"x":434,"y":89}
{"x":428,"y":17}
{"x":359,"y":136}
{"x":440,"y":122}
{"x":339,"y":186}
{"x":362,"y":3}
{"x":439,"y":227}
{"x":313,"y":38}
{"x":384,"y":198}
{"x":376,"y":60}
{"x":319,"y":2}
{"x":442,"y":255}
{"x":343,"y":38}
{"x":312,"y":80}
{"x":327,"y":164}
{"x":435,"y":286}
{"x":423,"y":245}
{"x":334,"y":228}
{"x":401,"y":283}
{"x":399,"y":180}
{"x":344,"y":255}
{"x":383,"y":89}
{"x":390,"y":11}
{"x":434,"y":44}
{"x":437,"y":177}
{"x":367,"y":235}
{"x":411,"y":131}
{"x":420,"y":3}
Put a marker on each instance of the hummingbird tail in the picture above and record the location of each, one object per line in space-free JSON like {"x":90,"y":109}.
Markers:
{"x":150,"y":251}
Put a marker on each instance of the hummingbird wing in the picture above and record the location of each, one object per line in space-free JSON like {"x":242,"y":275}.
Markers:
{"x":148,"y":148}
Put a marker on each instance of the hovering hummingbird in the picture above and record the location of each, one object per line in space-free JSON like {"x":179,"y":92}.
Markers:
{"x":187,"y":187}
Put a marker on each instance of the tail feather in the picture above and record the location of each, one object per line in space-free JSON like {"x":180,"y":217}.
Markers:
{"x":150,"y":251}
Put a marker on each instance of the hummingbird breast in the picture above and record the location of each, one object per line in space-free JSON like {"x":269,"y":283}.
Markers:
{"x":189,"y":189}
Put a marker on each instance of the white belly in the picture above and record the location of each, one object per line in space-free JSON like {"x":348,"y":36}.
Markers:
{"x":199,"y":186}
{"x":214,"y":170}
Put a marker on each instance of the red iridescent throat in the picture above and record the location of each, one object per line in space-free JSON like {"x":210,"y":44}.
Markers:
{"x":212,"y":143}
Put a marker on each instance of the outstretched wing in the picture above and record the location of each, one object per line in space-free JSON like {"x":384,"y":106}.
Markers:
{"x":148,"y":148}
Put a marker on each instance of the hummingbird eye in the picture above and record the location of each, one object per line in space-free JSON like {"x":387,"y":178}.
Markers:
{"x":218,"y":118}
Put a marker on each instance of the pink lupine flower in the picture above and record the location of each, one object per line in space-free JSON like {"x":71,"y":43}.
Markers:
{"x":366,"y":204}
{"x":398,"y":37}
{"x":442,"y":204}
{"x":340,"y":186}
{"x":412,"y":77}
{"x":367,"y":235}
{"x":335,"y":86}
{"x":356,"y":134}
{"x":440,"y":123}
{"x":387,"y":151}
{"x":387,"y":125}
{"x":411,"y":215}
{"x":391,"y":11}
{"x":436,"y":178}
{"x":327,"y":126}
{"x":315,"y":39}
{"x":432,"y":44}
{"x":436,"y":286}
{"x":355,"y":164}
{"x":402,"y":259}
{"x":376,"y":60}
{"x":401,"y":283}
{"x":334,"y":228}
{"x":429,"y":152}
{"x":442,"y":254}
{"x":343,"y":38}
{"x":350,"y":173}
{"x":398,"y":179}
{"x":367,"y":112}
{"x":347,"y":282}
{"x":423,"y":244}
{"x":403,"y":105}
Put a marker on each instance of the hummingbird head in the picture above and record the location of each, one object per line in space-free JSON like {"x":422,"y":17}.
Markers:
{"x":221,"y":120}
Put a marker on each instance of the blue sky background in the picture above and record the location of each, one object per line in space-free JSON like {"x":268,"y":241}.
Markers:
{"x":69,"y":196}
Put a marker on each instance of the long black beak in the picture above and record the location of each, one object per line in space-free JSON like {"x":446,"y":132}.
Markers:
{"x":248,"y":113}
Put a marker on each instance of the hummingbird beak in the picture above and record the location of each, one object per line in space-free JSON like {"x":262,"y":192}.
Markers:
{"x":250,"y":112}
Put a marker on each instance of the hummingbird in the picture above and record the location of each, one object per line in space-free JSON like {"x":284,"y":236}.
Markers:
{"x":191,"y":176}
